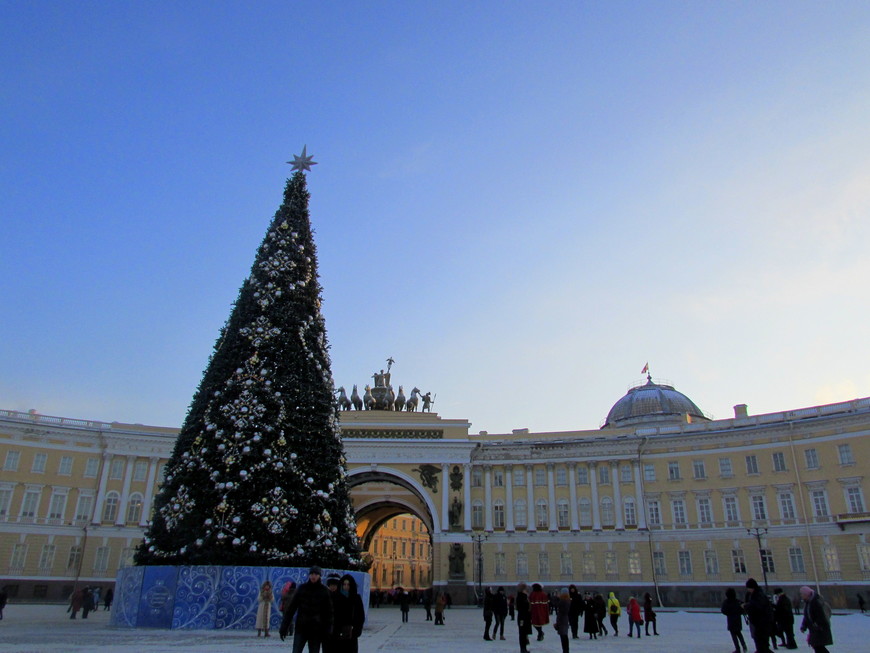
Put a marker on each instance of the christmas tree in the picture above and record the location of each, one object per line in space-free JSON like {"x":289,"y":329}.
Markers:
{"x":258,"y":475}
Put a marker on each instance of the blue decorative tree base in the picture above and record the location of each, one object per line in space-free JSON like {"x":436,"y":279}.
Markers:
{"x":205,"y":597}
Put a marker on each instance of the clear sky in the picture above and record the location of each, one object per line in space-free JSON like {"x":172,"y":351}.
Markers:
{"x":520,"y":202}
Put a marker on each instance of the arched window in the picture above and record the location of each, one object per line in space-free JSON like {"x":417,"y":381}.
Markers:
{"x":541,"y":520}
{"x":110,"y":508}
{"x":630,"y":511}
{"x":585,"y":512}
{"x":477,"y":514}
{"x":498,"y":514}
{"x":606,"y":511}
{"x":134,"y":509}
{"x":520,"y":513}
{"x":563,"y":513}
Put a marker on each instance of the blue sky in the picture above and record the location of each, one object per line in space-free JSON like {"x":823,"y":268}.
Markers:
{"x":520,"y":202}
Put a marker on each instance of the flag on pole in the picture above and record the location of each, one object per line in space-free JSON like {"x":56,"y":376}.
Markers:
{"x":645,"y":369}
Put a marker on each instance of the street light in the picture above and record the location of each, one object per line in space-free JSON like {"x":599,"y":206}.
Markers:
{"x":479,"y":539}
{"x":758,"y":532}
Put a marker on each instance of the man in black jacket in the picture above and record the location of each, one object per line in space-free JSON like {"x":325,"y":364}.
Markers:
{"x":760,"y":612}
{"x":784,"y":619}
{"x":312,"y":606}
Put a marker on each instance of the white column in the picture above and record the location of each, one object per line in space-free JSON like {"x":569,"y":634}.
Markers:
{"x":445,"y":506}
{"x":487,"y":494}
{"x":101,"y":493}
{"x":638,"y":496}
{"x":149,"y":492}
{"x":466,"y":522}
{"x":572,"y":488}
{"x":509,"y":498}
{"x":530,"y":494}
{"x":593,"y":481}
{"x":617,"y":496}
{"x":121,"y":518}
{"x":551,"y":496}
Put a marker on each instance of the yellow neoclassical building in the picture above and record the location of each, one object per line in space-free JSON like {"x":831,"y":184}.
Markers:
{"x":659,"y":499}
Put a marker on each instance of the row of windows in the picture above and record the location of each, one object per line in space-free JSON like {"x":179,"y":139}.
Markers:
{"x":684,"y":562}
{"x":57,"y":505}
{"x":392,"y":547}
{"x":47,"y":554}
{"x":704,"y":510}
{"x":699,"y":470}
{"x":65,"y":466}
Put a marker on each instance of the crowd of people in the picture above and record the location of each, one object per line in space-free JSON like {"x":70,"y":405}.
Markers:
{"x":88,"y":599}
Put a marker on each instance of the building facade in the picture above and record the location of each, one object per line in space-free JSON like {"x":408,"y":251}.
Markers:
{"x":659,"y":499}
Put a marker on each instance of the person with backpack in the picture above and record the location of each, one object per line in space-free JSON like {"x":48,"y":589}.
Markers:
{"x":816,"y":621}
{"x":614,"y":610}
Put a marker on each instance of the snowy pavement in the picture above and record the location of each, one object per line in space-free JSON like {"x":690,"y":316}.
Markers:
{"x":47,"y":629}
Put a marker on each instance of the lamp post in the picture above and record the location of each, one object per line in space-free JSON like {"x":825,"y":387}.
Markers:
{"x":479,"y":539}
{"x":758,"y":532}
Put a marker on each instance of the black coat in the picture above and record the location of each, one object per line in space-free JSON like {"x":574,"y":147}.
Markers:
{"x":817,"y":623}
{"x":500,"y":605}
{"x":783,"y":613}
{"x":524,"y":613}
{"x":733,"y":610}
{"x":312,"y":605}
{"x":760,"y":612}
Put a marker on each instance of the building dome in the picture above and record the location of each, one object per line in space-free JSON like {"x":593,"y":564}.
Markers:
{"x":653,"y":403}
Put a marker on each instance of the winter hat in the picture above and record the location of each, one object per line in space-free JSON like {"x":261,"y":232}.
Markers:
{"x":752,"y":584}
{"x":315,"y":570}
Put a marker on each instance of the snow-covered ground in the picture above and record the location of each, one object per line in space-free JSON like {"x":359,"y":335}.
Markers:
{"x":47,"y":628}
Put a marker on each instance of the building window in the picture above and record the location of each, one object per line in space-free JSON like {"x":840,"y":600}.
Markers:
{"x":74,"y":559}
{"x":519,"y":476}
{"x":566,"y":565}
{"x":540,"y":477}
{"x":140,"y":470}
{"x":498,"y":477}
{"x":101,"y":559}
{"x":604,"y":474}
{"x":759,"y":509}
{"x":116,"y":470}
{"x":582,"y":475}
{"x":520,"y":513}
{"x":812,"y":457}
{"x":649,"y":472}
{"x":767,"y":561}
{"x":541,"y":520}
{"x":864,"y":557}
{"x":698,"y":469}
{"x":12,"y":460}
{"x":30,"y":504}
{"x":110,"y":509}
{"x":39,"y":461}
{"x":738,"y":561}
{"x":711,"y":563}
{"x":606,"y":511}
{"x":543,"y":564}
{"x":561,"y":476}
{"x":705,"y":511}
{"x":134,"y":509}
{"x":477,"y":514}
{"x":65,"y":466}
{"x":56,"y":506}
{"x":796,"y":560}
{"x":779,"y":462}
{"x":498,"y":514}
{"x":786,"y":505}
{"x":820,"y":503}
{"x":685,"y":561}
{"x":46,"y":558}
{"x":476,"y":477}
{"x":630,"y":512}
{"x":854,"y":499}
{"x":845,"y":451}
{"x":585,"y":512}
{"x":500,"y":568}
{"x":91,"y":467}
{"x":752,"y":464}
{"x":634,"y":563}
{"x":655,"y":516}
{"x":725,"y":469}
{"x":674,"y":470}
{"x":522,"y":564}
{"x":625,"y":473}
{"x":589,"y":563}
{"x":84,"y":507}
{"x":659,"y":563}
{"x":732,"y":512}
{"x":19,"y":557}
{"x":563,"y":513}
{"x":611,"y":568}
{"x":679,"y":509}
{"x":831,"y":558}
{"x":5,"y":501}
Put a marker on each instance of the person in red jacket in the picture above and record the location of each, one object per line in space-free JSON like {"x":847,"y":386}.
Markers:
{"x":540,"y":609}
{"x":634,"y":618}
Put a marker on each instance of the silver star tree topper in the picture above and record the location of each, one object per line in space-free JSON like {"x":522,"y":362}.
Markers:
{"x":302,"y":162}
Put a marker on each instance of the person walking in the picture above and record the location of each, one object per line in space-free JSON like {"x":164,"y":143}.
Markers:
{"x":760,"y":613}
{"x":524,"y":617}
{"x":784,"y":619}
{"x":861,"y":603}
{"x":590,"y":617}
{"x":107,"y":601}
{"x":511,"y":606}
{"x":600,"y":612}
{"x":614,"y":610}
{"x":649,"y":615}
{"x":312,"y":606}
{"x":634,"y":618}
{"x":3,"y":599}
{"x":427,"y":603}
{"x":576,"y":610}
{"x":499,"y":612}
{"x":75,"y":603}
{"x":563,"y":618}
{"x":733,"y":611}
{"x":341,"y":625}
{"x":87,"y":602}
{"x":816,"y":621}
{"x":354,"y":619}
{"x":488,"y":598}
{"x":264,"y":608}
{"x":540,"y":603}
{"x":440,"y":604}
{"x":404,"y":603}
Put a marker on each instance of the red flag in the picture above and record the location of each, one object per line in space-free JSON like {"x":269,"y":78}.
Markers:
{"x":645,"y":369}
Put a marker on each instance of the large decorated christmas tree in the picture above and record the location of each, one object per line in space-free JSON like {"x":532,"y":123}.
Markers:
{"x":257,"y":475}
